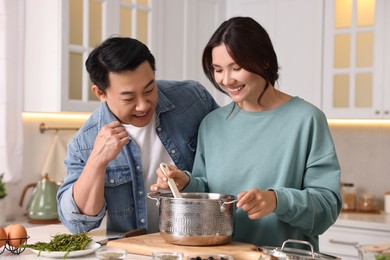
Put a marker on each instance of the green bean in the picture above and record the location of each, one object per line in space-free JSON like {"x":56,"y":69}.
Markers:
{"x":62,"y":243}
{"x":382,"y":257}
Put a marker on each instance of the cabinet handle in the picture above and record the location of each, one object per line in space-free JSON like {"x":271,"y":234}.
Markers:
{"x":343,"y":242}
{"x":386,"y":112}
{"x":377,"y":112}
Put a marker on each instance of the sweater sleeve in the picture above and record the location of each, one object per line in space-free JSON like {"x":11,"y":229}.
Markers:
{"x":315,"y":207}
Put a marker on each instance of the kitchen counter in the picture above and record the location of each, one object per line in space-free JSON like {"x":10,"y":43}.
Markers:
{"x":43,"y":233}
{"x":353,"y":229}
{"x":362,"y":221}
{"x":371,"y":221}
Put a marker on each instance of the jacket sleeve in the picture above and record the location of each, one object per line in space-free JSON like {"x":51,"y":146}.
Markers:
{"x":68,"y":211}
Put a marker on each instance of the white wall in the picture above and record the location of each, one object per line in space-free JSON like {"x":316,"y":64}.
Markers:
{"x":36,"y":148}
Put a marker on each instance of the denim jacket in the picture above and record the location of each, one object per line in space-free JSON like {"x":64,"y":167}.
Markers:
{"x":181,"y":107}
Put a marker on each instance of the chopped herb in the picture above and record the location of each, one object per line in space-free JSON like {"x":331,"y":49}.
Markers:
{"x":62,"y":243}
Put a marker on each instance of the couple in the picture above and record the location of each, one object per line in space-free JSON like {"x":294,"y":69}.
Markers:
{"x":271,"y":150}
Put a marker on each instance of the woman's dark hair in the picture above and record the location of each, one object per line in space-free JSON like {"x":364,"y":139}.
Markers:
{"x":116,"y":54}
{"x":249,"y":45}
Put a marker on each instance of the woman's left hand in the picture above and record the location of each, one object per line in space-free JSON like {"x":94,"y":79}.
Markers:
{"x":258,"y":203}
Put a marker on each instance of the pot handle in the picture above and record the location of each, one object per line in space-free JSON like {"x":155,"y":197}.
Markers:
{"x":299,"y":242}
{"x":223,"y":205}
{"x":153,"y":195}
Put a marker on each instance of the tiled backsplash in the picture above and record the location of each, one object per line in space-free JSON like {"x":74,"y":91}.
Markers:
{"x":364,"y":155}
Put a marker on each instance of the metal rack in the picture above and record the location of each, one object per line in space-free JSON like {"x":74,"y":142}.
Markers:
{"x":43,"y":128}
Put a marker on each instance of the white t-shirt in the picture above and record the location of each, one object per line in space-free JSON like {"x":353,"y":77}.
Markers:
{"x":152,"y":154}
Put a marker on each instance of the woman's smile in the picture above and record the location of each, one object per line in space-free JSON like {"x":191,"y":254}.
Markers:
{"x":235,"y":90}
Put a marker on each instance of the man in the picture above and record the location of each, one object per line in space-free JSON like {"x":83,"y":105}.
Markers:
{"x":141,"y":122}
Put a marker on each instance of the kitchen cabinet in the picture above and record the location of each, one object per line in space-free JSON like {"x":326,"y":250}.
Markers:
{"x":46,"y":88}
{"x":352,"y":229}
{"x":295,"y":28}
{"x":183,"y":29}
{"x":356,"y":84}
{"x":59,"y":35}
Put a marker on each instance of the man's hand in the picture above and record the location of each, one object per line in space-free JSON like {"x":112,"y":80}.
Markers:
{"x":109,"y":142}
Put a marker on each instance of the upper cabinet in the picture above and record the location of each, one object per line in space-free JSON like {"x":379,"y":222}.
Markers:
{"x":183,"y":29}
{"x":59,"y":35}
{"x":331,"y":53}
{"x":295,"y":28}
{"x":355,"y":84}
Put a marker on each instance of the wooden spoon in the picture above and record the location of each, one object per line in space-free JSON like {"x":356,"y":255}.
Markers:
{"x":171,"y":182}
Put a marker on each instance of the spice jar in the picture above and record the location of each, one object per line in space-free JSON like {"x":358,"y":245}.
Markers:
{"x":387,"y":202}
{"x":366,"y":202}
{"x":348,"y":195}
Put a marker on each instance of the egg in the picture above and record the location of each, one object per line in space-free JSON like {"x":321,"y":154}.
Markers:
{"x":8,"y":228}
{"x":17,"y":235}
{"x":3,"y":237}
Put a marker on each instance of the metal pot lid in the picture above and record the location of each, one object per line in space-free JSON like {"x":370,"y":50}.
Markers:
{"x":294,"y":253}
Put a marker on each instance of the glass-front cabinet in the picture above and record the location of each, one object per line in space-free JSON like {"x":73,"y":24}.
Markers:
{"x":59,"y":38}
{"x":355,"y":59}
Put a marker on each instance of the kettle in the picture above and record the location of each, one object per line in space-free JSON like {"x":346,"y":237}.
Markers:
{"x":43,"y":203}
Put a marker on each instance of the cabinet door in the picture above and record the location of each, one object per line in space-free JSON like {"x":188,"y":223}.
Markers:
{"x":342,"y":241}
{"x":353,"y":77}
{"x":386,"y":87}
{"x":295,"y":28}
{"x":183,"y":29}
{"x":42,"y":56}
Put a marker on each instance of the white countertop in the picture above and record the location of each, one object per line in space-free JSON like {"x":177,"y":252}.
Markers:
{"x":371,"y":221}
{"x":43,"y":233}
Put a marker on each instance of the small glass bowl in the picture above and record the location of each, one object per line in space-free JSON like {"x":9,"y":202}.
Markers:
{"x":210,"y":257}
{"x":167,"y":256}
{"x":111,"y":253}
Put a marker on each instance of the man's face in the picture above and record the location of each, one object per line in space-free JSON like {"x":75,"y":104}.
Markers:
{"x":132,"y":95}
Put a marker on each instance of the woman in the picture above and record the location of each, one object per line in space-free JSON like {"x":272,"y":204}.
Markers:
{"x":272,"y":150}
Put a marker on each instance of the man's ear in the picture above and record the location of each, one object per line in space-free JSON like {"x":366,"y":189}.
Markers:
{"x":99,"y":93}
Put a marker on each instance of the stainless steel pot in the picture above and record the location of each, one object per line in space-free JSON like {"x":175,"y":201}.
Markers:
{"x":273,"y":253}
{"x":196,"y":219}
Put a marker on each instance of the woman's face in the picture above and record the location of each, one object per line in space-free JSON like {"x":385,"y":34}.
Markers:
{"x":132,"y":95}
{"x":243,"y":87}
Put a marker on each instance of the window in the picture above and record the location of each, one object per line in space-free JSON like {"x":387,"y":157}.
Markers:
{"x":92,"y":21}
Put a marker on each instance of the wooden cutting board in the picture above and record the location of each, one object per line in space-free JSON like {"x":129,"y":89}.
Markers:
{"x":146,"y":244}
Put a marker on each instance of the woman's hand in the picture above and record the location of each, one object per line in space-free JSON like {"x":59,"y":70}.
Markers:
{"x":181,"y":179}
{"x":258,"y":203}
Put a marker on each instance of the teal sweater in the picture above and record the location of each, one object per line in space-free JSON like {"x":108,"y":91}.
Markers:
{"x":289,"y":150}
